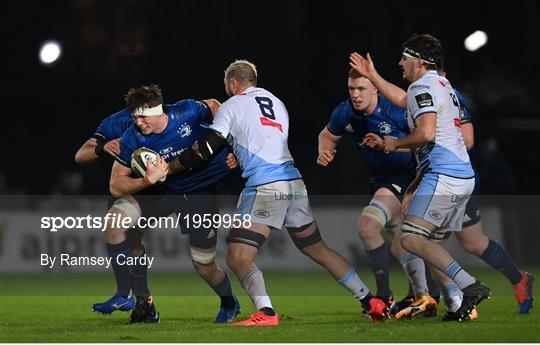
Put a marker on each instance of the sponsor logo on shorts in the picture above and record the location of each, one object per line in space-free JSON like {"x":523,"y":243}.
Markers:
{"x":261,"y":213}
{"x":434,"y":214}
{"x":291,"y":196}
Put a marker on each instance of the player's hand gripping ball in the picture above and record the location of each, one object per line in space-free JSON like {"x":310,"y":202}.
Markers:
{"x":140,"y":158}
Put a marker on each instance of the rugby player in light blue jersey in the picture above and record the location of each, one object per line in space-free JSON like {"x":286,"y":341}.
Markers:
{"x":436,"y":200}
{"x":274,"y":195}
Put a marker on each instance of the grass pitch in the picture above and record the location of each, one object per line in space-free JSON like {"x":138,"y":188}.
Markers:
{"x":312,"y":308}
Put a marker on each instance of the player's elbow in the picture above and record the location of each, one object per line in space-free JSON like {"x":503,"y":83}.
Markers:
{"x":115,"y":190}
{"x":213,"y":104}
{"x":79,"y":158}
{"x":469,"y":143}
{"x":428,"y":135}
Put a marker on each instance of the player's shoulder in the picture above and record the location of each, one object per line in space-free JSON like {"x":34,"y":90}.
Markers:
{"x":343,"y":108}
{"x":388,"y":107}
{"x":122,"y":116}
{"x":180,"y":106}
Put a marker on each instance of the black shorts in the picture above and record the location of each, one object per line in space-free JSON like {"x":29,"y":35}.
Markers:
{"x":396,"y":183}
{"x":472,"y":211}
{"x":200,"y":203}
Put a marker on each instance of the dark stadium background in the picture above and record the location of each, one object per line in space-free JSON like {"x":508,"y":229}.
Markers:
{"x":301,"y":49}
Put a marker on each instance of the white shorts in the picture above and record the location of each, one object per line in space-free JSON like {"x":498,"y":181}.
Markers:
{"x":276,"y":204}
{"x":441,"y":200}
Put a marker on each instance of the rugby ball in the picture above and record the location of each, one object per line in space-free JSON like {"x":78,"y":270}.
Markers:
{"x":140,"y":158}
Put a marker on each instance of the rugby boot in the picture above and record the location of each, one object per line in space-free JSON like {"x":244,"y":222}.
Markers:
{"x":523,"y":291}
{"x":260,"y":318}
{"x":422,"y":304}
{"x":378,"y":310}
{"x":450,"y":316}
{"x":472,"y":296}
{"x":403,"y":303}
{"x":145,"y":311}
{"x":226,"y":315}
{"x":116,"y":302}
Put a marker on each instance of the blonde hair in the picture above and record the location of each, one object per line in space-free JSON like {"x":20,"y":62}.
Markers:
{"x":243,"y":71}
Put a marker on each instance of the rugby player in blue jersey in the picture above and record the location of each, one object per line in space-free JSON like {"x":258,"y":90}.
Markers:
{"x":196,"y":191}
{"x":368,"y":112}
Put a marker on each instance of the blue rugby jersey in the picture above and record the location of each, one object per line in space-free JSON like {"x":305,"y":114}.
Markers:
{"x":187,"y":120}
{"x":113,"y":127}
{"x":386,"y":119}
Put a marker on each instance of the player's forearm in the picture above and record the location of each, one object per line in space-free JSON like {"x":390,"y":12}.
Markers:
{"x":176,"y":167}
{"x":326,"y":143}
{"x":418,"y":137}
{"x":467,"y":131}
{"x":394,"y":93}
{"x":87,"y":153}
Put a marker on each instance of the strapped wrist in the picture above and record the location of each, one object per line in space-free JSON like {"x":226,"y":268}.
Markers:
{"x":147,"y":181}
{"x":99,"y":150}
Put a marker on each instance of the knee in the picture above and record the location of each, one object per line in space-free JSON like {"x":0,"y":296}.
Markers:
{"x":474,"y":246}
{"x":236,"y":260}
{"x":115,"y":235}
{"x":368,"y":228}
{"x":204,"y":270}
{"x":409,"y":243}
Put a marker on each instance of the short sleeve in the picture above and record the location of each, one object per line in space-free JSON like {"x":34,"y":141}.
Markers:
{"x":113,"y":126}
{"x":420,"y":100}
{"x":225,"y":118}
{"x":338,"y":121}
{"x":465,"y":115}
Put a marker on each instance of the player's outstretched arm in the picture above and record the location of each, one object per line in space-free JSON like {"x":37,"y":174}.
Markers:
{"x":366,"y":68}
{"x":327,"y":147}
{"x":90,"y":151}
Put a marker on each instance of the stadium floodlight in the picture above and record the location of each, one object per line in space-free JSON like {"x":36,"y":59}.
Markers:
{"x":475,"y":40}
{"x":49,"y":52}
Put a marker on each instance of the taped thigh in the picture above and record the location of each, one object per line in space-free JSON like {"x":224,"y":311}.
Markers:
{"x":440,"y":236}
{"x":244,"y":236}
{"x":377,"y":210}
{"x":409,"y":228}
{"x":129,"y":210}
{"x":203,"y":258}
{"x":303,"y":242}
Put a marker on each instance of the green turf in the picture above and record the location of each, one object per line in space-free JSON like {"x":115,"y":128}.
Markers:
{"x":312,"y":308}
